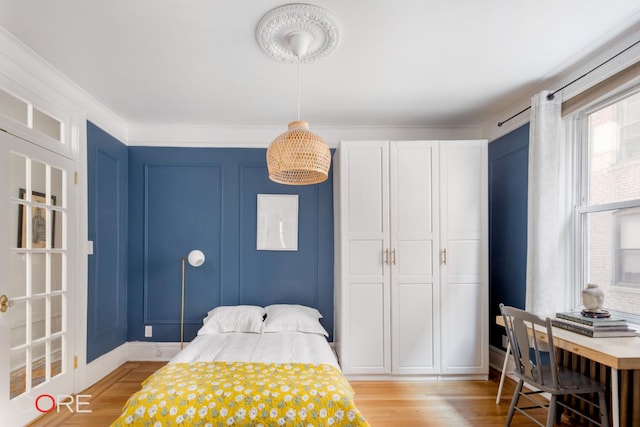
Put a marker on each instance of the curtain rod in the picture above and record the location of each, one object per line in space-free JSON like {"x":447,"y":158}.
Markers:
{"x":552,"y":94}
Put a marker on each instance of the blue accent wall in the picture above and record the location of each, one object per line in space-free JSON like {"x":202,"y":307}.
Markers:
{"x":205,"y":198}
{"x":508,"y":171}
{"x":107,"y":180}
{"x":149,"y":206}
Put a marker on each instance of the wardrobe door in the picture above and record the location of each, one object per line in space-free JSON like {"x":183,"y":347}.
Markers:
{"x":414,"y":257}
{"x":364,"y":224}
{"x":464,"y":283}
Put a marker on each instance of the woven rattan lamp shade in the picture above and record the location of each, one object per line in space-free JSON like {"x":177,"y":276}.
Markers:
{"x":298,"y":156}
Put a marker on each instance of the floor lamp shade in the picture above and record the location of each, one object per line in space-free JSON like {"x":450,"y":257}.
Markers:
{"x":195,"y":259}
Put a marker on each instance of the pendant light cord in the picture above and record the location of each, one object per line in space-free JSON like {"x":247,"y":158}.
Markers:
{"x":298,"y":88}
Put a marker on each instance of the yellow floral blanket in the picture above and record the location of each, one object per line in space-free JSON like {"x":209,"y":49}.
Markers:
{"x":212,"y":394}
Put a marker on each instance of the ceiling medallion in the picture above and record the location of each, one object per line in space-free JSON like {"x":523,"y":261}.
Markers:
{"x":274,"y":30}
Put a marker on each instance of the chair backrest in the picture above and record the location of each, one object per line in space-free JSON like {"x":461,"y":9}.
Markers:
{"x":526,"y":347}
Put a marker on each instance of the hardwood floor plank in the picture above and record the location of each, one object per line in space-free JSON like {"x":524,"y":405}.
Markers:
{"x":108,"y":396}
{"x":383,"y":403}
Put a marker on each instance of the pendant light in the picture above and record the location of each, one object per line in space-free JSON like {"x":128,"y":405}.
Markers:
{"x":302,"y":33}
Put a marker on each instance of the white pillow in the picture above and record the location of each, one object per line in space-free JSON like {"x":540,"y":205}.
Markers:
{"x":236,"y":318}
{"x":274,"y":308}
{"x":285,"y":318}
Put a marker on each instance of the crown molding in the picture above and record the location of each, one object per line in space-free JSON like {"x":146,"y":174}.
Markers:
{"x":261,"y":137}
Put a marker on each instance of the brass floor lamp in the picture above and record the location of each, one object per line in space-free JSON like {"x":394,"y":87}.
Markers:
{"x":195,"y":259}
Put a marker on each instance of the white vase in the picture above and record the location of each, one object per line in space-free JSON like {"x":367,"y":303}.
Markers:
{"x":592,"y":297}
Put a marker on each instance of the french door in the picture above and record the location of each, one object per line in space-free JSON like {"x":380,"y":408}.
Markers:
{"x":36,"y":304}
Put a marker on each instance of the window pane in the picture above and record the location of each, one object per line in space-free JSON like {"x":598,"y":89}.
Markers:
{"x":56,"y":272}
{"x":57,"y":175}
{"x":38,"y":181}
{"x":46,"y":124}
{"x":38,"y":274}
{"x":56,"y":356}
{"x":13,"y":107}
{"x":605,"y":256}
{"x":38,"y":318}
{"x":56,"y":314}
{"x":18,"y":183}
{"x":38,"y":364}
{"x":18,"y":275}
{"x":56,"y":229}
{"x":17,"y":379}
{"x":18,"y":165}
{"x":18,"y":322}
{"x":614,"y":152}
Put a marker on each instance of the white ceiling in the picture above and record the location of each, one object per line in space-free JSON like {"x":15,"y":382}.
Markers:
{"x":400,"y":62}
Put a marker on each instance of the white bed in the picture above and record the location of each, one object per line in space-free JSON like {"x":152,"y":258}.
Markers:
{"x":280,"y":347}
{"x":249,"y":366}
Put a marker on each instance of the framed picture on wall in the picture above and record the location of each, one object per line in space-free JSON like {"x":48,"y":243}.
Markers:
{"x":38,"y":222}
{"x":277,"y":223}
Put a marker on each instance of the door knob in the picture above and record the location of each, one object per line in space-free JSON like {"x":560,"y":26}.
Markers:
{"x":5,"y":303}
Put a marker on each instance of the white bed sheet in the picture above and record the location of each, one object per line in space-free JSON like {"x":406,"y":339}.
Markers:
{"x":280,"y":347}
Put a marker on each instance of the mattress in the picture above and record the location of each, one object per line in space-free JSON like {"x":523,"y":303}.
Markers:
{"x":281,"y":347}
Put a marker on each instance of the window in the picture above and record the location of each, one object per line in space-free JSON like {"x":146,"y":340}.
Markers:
{"x":27,"y":115}
{"x":609,"y":210}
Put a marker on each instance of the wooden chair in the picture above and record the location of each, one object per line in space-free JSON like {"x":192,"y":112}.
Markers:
{"x":545,"y":378}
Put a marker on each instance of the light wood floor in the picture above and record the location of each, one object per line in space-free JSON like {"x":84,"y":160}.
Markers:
{"x":383,"y":403}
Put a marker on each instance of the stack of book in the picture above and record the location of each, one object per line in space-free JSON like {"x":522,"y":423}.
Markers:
{"x":575,"y":321}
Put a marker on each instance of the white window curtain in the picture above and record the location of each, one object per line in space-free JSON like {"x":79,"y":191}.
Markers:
{"x":549,"y":214}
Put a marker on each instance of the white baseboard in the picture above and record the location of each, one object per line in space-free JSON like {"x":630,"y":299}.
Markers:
{"x":389,"y":377}
{"x":138,"y":351}
{"x":496,"y":359}
{"x":434,"y":377}
{"x":134,"y":351}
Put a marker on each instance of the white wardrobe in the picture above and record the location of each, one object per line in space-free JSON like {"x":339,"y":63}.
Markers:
{"x":411,"y":279}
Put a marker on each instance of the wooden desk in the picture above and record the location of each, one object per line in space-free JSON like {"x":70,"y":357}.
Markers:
{"x":621,"y":353}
